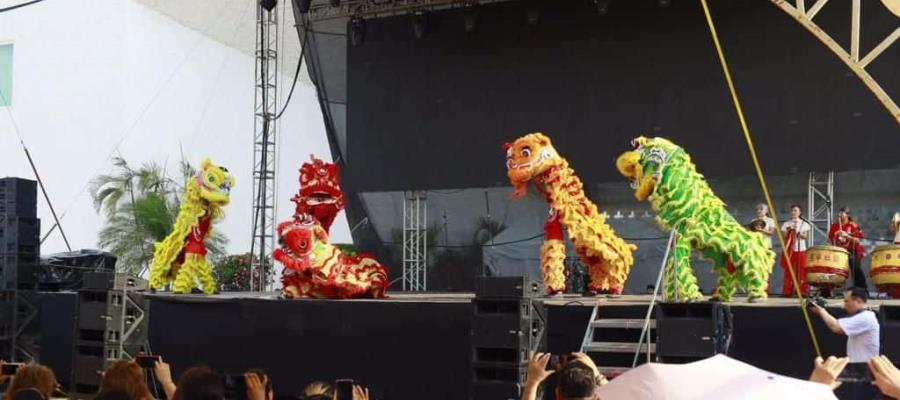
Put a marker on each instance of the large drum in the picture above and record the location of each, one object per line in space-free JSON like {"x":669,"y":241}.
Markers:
{"x":827,"y":266}
{"x":885,"y":271}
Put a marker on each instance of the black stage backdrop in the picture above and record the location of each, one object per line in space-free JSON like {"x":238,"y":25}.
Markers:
{"x":431,"y":113}
{"x":399,"y":350}
{"x":414,"y":350}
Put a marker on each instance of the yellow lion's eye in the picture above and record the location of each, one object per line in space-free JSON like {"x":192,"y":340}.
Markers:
{"x":526,"y":152}
{"x":211,"y":179}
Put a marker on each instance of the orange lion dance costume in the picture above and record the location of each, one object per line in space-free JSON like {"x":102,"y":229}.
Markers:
{"x":532,"y":159}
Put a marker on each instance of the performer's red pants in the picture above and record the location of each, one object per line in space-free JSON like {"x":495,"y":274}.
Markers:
{"x":798,"y":261}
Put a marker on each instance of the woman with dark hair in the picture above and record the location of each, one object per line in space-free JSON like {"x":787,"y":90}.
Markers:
{"x":32,"y":376}
{"x":126,"y":375}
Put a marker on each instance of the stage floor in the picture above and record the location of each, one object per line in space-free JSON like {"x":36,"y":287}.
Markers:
{"x":566,"y":299}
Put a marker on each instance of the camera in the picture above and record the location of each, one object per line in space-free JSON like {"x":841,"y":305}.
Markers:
{"x":146,"y":361}
{"x":10,"y":368}
{"x":817,"y":300}
{"x":235,"y":386}
{"x":344,"y":389}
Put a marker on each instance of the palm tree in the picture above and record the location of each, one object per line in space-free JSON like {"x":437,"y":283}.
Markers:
{"x":141,"y":206}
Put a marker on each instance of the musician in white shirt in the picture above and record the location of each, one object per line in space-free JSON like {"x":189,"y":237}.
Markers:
{"x":795,"y":231}
{"x":895,"y":227}
{"x":763,"y":223}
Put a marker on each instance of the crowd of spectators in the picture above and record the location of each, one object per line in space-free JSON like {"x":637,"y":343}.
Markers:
{"x":127,"y":380}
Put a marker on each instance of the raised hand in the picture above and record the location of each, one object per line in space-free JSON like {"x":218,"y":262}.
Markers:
{"x":827,"y":371}
{"x":886,"y":376}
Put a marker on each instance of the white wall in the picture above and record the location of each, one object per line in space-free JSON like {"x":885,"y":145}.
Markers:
{"x":88,"y":74}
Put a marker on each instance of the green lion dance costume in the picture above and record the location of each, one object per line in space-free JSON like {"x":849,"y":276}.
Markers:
{"x":181,"y":256}
{"x":663,"y":173}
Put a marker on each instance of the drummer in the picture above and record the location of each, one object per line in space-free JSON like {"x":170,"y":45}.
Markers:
{"x":846,"y":233}
{"x":795,"y":231}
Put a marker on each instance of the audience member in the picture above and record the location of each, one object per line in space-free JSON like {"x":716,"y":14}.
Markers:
{"x":199,"y":383}
{"x":828,"y":371}
{"x":34,"y":376}
{"x":112,"y":394}
{"x":259,"y":387}
{"x":578,"y":379}
{"x":885,"y":376}
{"x":164,"y":376}
{"x":28,"y":394}
{"x":128,"y":376}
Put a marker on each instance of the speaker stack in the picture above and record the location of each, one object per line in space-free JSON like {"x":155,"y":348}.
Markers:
{"x":19,"y":250}
{"x":688,"y":332}
{"x":508,"y":322}
{"x":111,"y":325}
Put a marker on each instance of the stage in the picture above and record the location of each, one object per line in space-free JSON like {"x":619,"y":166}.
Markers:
{"x":415,"y":346}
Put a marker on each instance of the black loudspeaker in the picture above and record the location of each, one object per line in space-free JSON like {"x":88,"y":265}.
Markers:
{"x":18,"y":197}
{"x":19,"y":250}
{"x":889,"y":316}
{"x":58,"y":316}
{"x":111,"y":325}
{"x":507,"y":287}
{"x":507,"y":324}
{"x":8,"y":319}
{"x":691,"y":331}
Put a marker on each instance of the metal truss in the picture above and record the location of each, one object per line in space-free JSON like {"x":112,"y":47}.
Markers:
{"x":858,"y":65}
{"x":322,"y":10}
{"x":415,"y":242}
{"x":821,"y":205}
{"x":264,"y":152}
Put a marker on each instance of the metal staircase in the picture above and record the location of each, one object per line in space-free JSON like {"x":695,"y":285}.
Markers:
{"x":614,"y":339}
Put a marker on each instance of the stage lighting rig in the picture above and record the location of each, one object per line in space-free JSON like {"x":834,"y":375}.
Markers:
{"x":419,"y":24}
{"x":602,"y":6}
{"x":303,"y":6}
{"x":664,"y":3}
{"x":357,"y":31}
{"x":533,"y":13}
{"x":270,"y":4}
{"x":470,"y":17}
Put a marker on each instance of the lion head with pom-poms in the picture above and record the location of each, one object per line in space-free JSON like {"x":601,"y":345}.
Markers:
{"x":527,"y":158}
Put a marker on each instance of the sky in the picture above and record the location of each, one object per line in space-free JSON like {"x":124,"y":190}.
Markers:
{"x":95,"y":79}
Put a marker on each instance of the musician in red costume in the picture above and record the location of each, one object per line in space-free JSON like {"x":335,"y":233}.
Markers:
{"x":845,"y":233}
{"x":795,"y":232}
{"x":319,"y":197}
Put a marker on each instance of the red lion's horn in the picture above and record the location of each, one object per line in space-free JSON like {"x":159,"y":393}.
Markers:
{"x":507,"y":146}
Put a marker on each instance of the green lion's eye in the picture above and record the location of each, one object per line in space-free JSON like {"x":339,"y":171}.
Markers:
{"x":212,"y":179}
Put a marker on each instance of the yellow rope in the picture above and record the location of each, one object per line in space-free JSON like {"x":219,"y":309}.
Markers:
{"x":759,"y":173}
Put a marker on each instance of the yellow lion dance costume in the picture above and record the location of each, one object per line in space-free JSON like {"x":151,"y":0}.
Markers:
{"x":181,"y":256}
{"x":532,"y":158}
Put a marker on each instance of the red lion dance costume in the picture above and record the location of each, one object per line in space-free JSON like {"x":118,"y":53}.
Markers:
{"x":313,"y":266}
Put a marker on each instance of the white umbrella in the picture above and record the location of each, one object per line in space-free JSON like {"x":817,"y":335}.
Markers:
{"x":715,"y":378}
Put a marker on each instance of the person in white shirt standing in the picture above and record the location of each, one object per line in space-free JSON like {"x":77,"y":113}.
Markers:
{"x":895,"y":227}
{"x":795,"y":231}
{"x":863,"y":338}
{"x":763,"y":223}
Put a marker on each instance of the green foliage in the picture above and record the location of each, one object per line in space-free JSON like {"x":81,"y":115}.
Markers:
{"x":232,"y":272}
{"x":140,"y":207}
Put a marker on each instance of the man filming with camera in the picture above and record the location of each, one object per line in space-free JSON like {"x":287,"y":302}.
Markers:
{"x":862,"y":330}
